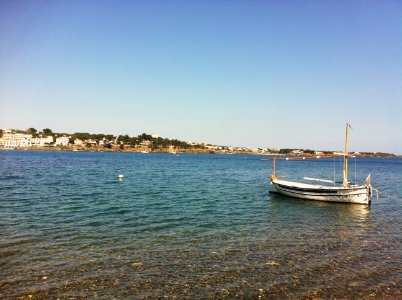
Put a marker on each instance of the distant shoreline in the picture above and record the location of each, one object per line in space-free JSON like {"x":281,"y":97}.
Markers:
{"x":179,"y":151}
{"x":31,"y":139}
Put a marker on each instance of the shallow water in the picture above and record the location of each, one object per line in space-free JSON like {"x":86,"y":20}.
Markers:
{"x":199,"y":226}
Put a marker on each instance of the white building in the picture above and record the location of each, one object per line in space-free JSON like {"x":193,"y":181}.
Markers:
{"x":7,"y":133}
{"x":91,"y":142}
{"x":62,"y":140}
{"x":297,"y":152}
{"x":78,"y":142}
{"x":145,"y":143}
{"x":15,"y":140}
{"x":41,"y":141}
{"x":21,"y":140}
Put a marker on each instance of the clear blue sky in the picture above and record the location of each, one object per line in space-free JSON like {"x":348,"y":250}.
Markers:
{"x":245,"y":73}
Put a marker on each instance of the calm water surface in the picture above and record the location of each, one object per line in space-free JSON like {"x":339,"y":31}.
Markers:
{"x":200,"y":226}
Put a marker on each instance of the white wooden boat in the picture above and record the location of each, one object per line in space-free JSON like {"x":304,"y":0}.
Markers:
{"x":346,"y":193}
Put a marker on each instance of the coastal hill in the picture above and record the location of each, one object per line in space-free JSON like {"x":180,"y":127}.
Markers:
{"x":83,"y":141}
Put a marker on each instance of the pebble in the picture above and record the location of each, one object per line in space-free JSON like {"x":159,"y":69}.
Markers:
{"x":137,"y":264}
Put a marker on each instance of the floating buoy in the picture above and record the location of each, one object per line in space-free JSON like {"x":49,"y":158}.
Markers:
{"x":121,"y":176}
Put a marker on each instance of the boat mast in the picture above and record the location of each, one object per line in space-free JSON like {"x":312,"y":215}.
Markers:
{"x":345,"y":164}
{"x":273,"y":176}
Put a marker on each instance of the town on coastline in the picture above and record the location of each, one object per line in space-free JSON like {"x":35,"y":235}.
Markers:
{"x":145,"y":143}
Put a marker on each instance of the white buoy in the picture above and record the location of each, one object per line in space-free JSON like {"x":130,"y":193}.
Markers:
{"x":121,"y":177}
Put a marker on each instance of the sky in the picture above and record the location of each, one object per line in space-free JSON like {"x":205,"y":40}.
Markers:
{"x":268,"y":74}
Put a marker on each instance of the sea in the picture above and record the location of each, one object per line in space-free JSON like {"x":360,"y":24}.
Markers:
{"x":192,"y":226}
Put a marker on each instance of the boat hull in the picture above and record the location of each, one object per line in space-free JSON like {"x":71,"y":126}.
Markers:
{"x":356,"y":194}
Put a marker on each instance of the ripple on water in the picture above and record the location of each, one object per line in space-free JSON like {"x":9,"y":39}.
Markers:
{"x":197,"y":226}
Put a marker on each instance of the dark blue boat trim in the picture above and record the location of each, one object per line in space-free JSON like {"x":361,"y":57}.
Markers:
{"x":319,"y":191}
{"x":315,"y":192}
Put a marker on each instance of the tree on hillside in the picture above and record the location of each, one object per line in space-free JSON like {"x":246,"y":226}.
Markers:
{"x":160,"y":143}
{"x":110,"y":137}
{"x":32,"y":131}
{"x":144,"y":137}
{"x":285,"y":151}
{"x":47,"y":132}
{"x":82,"y":136}
{"x":179,"y":144}
{"x":125,"y":139}
{"x":134,"y":141}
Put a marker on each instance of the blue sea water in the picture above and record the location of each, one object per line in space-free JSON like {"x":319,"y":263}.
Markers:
{"x":191,"y":226}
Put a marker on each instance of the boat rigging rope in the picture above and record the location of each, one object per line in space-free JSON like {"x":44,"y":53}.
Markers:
{"x":334,"y":171}
{"x":387,"y":195}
